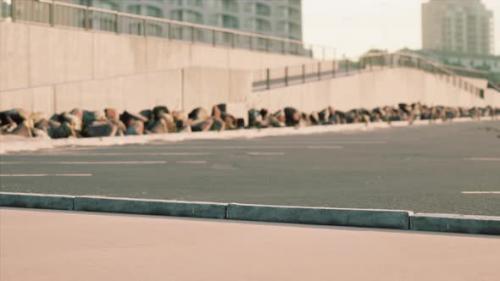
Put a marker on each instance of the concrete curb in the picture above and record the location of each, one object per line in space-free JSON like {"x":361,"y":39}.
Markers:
{"x":37,"y":201}
{"x":150,"y":207}
{"x":320,"y":216}
{"x":372,"y":218}
{"x":455,"y":223}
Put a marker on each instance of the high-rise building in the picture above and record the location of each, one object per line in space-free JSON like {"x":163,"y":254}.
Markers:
{"x":459,"y":26}
{"x":280,"y":18}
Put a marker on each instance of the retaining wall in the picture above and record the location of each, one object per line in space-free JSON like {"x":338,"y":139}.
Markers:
{"x":380,"y":87}
{"x":54,"y":69}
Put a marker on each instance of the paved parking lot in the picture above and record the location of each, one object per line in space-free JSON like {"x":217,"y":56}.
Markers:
{"x":451,"y":168}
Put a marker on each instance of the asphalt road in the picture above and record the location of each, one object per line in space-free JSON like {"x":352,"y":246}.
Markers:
{"x":424,"y":169}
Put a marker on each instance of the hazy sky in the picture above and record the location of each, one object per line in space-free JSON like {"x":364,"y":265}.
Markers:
{"x":354,"y":26}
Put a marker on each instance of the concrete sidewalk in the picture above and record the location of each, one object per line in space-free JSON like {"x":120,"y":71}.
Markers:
{"x":47,"y":245}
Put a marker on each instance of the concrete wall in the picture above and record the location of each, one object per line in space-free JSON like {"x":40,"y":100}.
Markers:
{"x":37,"y":55}
{"x":178,"y":89}
{"x":54,"y":69}
{"x":372,"y":89}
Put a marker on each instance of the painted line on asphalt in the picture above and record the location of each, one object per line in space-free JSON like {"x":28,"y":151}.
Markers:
{"x":336,"y":142}
{"x":85,"y":162}
{"x":237,"y":147}
{"x":325,"y":147}
{"x":111,"y":162}
{"x":193,"y":162}
{"x":265,"y":153}
{"x":480,"y":192}
{"x":122,"y":154}
{"x":46,"y":175}
{"x":486,"y":159}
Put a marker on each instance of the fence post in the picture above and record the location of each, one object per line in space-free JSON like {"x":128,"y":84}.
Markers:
{"x":319,"y":70}
{"x":192,"y":34}
{"x":233,"y":41}
{"x":169,"y":30}
{"x":333,"y":68}
{"x":214,"y":38}
{"x":86,"y":18}
{"x":144,"y":30}
{"x":267,"y":45}
{"x":303,"y":74}
{"x":286,"y":76}
{"x":268,"y":78}
{"x":51,"y":13}
{"x":13,"y":7}
{"x":251,"y":42}
{"x":117,"y":23}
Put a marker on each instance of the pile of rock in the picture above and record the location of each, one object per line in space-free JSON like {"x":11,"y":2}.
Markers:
{"x":330,"y":116}
{"x":160,"y":120}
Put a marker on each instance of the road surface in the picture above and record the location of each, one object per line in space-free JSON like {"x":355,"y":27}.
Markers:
{"x":451,"y":168}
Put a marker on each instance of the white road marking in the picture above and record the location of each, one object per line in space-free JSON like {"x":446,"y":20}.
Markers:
{"x":266,"y":153}
{"x":84,"y":162}
{"x":325,"y":147}
{"x":194,"y":162}
{"x":24,"y":175}
{"x":73,"y":175}
{"x":123,"y":154}
{"x":109,"y":162}
{"x":336,"y":142}
{"x":487,"y":159}
{"x":480,"y":192}
{"x":46,"y":175}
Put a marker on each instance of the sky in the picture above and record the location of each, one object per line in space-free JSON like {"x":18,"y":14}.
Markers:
{"x":352,"y":27}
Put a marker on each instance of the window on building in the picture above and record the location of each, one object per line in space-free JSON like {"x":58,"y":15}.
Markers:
{"x":294,"y":14}
{"x":230,"y":6}
{"x":263,"y":25}
{"x":106,"y":4}
{"x":134,"y":9}
{"x":186,"y":15}
{"x":230,"y":22}
{"x":263,"y":10}
{"x":154,"y":12}
{"x":294,"y":31}
{"x":248,"y":7}
{"x":195,"y":3}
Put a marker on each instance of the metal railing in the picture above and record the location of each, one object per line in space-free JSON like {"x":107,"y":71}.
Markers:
{"x":272,"y":78}
{"x":56,"y":13}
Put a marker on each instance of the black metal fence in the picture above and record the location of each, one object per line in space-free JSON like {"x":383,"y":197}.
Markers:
{"x":272,"y":78}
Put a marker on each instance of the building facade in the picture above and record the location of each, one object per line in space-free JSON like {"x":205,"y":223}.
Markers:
{"x":280,"y":18}
{"x":458,"y":26}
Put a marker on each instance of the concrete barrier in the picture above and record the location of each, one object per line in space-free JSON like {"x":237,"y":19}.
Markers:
{"x":36,"y":201}
{"x":151,"y":207}
{"x":455,"y":223}
{"x":320,"y":216}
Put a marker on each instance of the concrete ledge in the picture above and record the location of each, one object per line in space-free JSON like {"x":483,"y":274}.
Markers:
{"x":320,"y":216}
{"x":392,"y":219}
{"x":151,"y":207}
{"x":36,"y":201}
{"x":455,"y":223}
